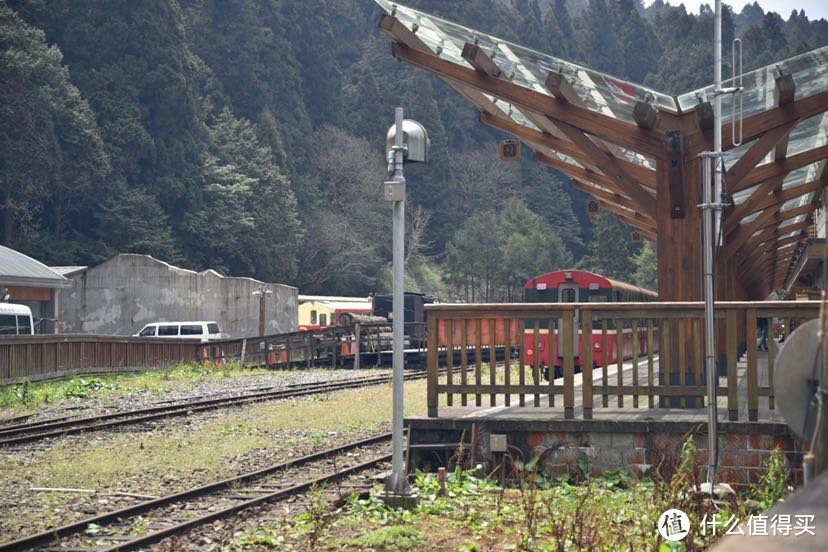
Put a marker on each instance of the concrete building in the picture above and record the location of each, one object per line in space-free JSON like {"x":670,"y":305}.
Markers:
{"x":123,"y":294}
{"x":31,"y":283}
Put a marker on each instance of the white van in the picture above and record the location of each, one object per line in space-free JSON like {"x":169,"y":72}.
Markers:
{"x":15,"y":319}
{"x":203,"y":331}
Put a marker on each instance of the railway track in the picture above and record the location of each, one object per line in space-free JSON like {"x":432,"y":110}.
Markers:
{"x":150,"y":521}
{"x":56,"y":427}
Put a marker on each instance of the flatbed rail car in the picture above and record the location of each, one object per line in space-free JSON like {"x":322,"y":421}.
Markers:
{"x":579,"y":286}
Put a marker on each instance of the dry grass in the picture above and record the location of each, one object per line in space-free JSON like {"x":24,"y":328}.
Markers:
{"x":156,"y":459}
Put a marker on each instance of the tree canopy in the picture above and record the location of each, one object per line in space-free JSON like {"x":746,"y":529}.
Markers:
{"x":248,"y":136}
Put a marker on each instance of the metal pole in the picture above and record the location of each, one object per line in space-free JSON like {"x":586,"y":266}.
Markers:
{"x":709,"y":329}
{"x":717,"y":114}
{"x":398,"y":483}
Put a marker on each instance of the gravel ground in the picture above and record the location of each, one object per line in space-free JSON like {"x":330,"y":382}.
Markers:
{"x":26,"y":511}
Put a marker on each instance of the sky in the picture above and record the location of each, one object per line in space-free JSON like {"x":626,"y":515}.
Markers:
{"x":814,"y":9}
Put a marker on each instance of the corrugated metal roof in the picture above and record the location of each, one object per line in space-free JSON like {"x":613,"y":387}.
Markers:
{"x":68,"y":270}
{"x":17,"y":269}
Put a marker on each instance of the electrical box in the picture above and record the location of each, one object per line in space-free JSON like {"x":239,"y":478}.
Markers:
{"x":394,"y":191}
{"x":497,"y":442}
{"x":510,"y":150}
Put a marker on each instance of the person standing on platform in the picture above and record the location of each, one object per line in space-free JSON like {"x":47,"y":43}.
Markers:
{"x":762,"y":327}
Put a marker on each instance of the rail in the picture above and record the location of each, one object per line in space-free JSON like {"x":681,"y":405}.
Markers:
{"x":662,"y":341}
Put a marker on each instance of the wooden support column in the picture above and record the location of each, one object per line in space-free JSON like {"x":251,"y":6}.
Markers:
{"x":678,"y":225}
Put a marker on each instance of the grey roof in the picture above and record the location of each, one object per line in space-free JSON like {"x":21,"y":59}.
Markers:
{"x":17,"y":269}
{"x":68,"y":270}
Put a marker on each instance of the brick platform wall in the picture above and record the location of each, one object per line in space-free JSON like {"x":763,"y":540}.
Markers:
{"x":641,"y":447}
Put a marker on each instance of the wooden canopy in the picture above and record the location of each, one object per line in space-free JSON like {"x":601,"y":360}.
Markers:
{"x":636,"y":151}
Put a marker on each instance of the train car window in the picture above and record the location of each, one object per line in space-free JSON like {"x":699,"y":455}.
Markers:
{"x":323,"y":319}
{"x":568,"y":295}
{"x":598,"y":299}
{"x":313,"y":317}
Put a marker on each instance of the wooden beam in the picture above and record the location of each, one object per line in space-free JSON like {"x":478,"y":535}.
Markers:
{"x":629,"y":219}
{"x":645,"y":115}
{"x":781,"y":168}
{"x":609,"y":165}
{"x":586,"y":175}
{"x":704,"y":116}
{"x":770,"y":217}
{"x":643,"y":175}
{"x":769,"y":234}
{"x":613,"y":198}
{"x":784,"y":93}
{"x":769,"y":194}
{"x":399,"y":32}
{"x":756,"y":153}
{"x":755,"y":125}
{"x":598,"y":124}
{"x":478,"y":59}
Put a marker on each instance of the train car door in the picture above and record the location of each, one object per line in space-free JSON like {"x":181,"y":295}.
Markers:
{"x":568,"y":293}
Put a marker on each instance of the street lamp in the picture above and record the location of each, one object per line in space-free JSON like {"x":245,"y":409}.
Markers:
{"x":407,"y":141}
{"x":262,"y":294}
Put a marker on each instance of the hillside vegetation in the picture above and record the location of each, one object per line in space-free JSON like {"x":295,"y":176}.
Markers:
{"x":248,"y":136}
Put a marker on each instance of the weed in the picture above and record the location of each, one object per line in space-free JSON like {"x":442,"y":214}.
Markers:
{"x":394,"y":537}
{"x":316,"y":517}
{"x":773,"y":485}
{"x":83,"y":388}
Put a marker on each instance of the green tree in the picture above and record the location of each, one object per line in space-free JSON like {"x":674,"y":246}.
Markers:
{"x":646,"y":267}
{"x":611,"y":249}
{"x":249,"y":224}
{"x":471,"y":258}
{"x":51,"y":152}
{"x":527,"y":248}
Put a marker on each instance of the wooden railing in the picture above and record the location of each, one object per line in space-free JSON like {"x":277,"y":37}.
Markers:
{"x":40,"y":357}
{"x":664,"y":341}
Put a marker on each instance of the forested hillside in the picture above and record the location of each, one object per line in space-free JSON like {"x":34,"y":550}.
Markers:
{"x":248,"y":136}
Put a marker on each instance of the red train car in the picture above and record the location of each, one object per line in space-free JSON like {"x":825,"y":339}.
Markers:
{"x":578,"y":286}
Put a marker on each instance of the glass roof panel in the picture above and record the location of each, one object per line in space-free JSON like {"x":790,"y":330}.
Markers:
{"x":600,"y":92}
{"x":809,"y":71}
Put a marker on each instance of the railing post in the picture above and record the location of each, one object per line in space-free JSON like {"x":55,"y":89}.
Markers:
{"x":449,"y":325}
{"x":431,"y":374}
{"x":732,"y":359}
{"x":569,"y":362}
{"x":586,"y":361}
{"x":752,"y":372}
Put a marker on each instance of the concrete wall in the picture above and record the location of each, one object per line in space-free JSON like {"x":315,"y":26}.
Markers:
{"x":123,"y":294}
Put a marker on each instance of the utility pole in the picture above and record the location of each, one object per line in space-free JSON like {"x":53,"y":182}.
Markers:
{"x":410,"y":143}
{"x":262,"y":293}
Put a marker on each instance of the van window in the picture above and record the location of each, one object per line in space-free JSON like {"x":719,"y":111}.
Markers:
{"x":15,"y":324}
{"x":148,"y":331}
{"x":213,"y":329}
{"x":8,"y":324}
{"x":168,"y":330}
{"x":191,"y":329}
{"x":24,"y":325}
